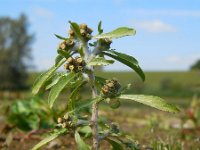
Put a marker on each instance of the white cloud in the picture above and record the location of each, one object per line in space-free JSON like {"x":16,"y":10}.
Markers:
{"x":43,"y":12}
{"x":154,"y":26}
{"x":182,"y":60}
{"x":166,"y":12}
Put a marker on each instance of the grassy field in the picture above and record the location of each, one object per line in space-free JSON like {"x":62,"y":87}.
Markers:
{"x":153,"y":79}
{"x":172,"y":84}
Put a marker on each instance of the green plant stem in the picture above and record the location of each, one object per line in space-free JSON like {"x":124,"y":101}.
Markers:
{"x":94,"y":118}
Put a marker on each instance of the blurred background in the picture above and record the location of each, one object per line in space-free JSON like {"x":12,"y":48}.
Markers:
{"x":166,"y":45}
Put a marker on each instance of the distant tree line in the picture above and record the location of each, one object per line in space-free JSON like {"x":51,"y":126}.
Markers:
{"x":15,"y":52}
{"x":196,"y":65}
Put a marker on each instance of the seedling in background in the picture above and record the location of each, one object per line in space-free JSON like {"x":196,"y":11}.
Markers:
{"x":79,"y":53}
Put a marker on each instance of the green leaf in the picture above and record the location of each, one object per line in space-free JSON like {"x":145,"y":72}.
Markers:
{"x":127,"y":60}
{"x":55,"y":91}
{"x":60,"y":37}
{"x":100,"y":30}
{"x":76,"y":29}
{"x":63,"y":53}
{"x":58,"y":59}
{"x":77,"y":88}
{"x":80,"y":143}
{"x":100,"y":61}
{"x":99,"y":80}
{"x":152,"y":101}
{"x":85,"y":104}
{"x":81,"y":52}
{"x":115,"y":145}
{"x":44,"y":77}
{"x":54,"y":80}
{"x":49,"y":139}
{"x":117,"y":33}
{"x":86,"y":130}
{"x":70,"y":103}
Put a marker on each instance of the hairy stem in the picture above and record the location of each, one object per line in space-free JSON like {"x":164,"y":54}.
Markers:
{"x":94,"y":118}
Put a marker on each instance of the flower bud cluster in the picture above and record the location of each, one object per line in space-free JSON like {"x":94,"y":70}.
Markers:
{"x":65,"y":122}
{"x":111,"y":88}
{"x":67,"y":44}
{"x":84,"y":30}
{"x":75,"y":64}
{"x":104,"y":44}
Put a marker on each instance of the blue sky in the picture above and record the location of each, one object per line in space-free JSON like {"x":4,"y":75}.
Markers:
{"x":168,"y":31}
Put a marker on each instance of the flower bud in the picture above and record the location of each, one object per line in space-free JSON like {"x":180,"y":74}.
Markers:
{"x":110,"y":85}
{"x":64,"y":125}
{"x":71,"y":67}
{"x":66,"y":116}
{"x":59,"y":120}
{"x":62,"y":45}
{"x":105,"y":89}
{"x":80,"y":68}
{"x":79,"y":60}
{"x":70,"y":60}
{"x":71,"y":32}
{"x":83,"y":26}
{"x":83,"y":32}
{"x":70,"y":43}
{"x":66,"y":66}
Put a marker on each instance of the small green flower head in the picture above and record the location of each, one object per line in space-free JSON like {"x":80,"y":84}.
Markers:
{"x":104,"y":44}
{"x":111,"y":88}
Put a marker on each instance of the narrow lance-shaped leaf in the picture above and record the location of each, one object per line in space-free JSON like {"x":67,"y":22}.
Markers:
{"x":58,"y":59}
{"x":54,"y":80}
{"x":100,"y":61}
{"x":127,"y":60}
{"x":80,"y":143}
{"x":45,"y":76}
{"x":60,"y":37}
{"x":55,"y":91}
{"x":100,"y":30}
{"x":85,"y":104}
{"x":99,"y":80}
{"x":73,"y":94}
{"x":49,"y":139}
{"x":152,"y":101}
{"x":117,"y":33}
{"x":115,"y":145}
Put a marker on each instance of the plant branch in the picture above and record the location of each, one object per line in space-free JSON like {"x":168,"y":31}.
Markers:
{"x":94,"y":118}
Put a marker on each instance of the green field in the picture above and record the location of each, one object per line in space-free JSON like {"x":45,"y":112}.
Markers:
{"x":167,"y":84}
{"x":190,"y":78}
{"x":153,"y":79}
